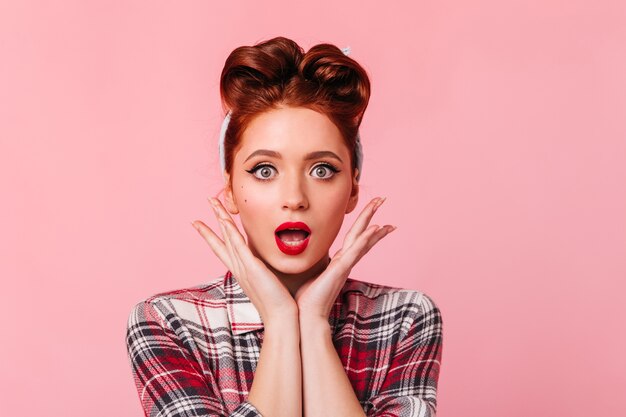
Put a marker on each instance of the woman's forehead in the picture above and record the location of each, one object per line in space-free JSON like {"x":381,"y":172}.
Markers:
{"x":292,"y":133}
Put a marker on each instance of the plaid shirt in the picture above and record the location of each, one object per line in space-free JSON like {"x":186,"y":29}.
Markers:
{"x":193,"y":352}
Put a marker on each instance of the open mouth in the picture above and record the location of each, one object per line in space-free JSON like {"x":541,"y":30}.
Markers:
{"x":292,"y":238}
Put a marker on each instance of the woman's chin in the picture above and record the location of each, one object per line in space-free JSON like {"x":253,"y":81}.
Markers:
{"x":291,"y":265}
{"x":294,"y":265}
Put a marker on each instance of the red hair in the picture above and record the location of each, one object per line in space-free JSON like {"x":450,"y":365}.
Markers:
{"x":278,"y":73}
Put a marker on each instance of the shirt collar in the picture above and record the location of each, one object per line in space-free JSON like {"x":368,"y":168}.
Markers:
{"x":243,"y":315}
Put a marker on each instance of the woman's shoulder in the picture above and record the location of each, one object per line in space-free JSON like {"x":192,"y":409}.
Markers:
{"x":206,"y":293}
{"x":213,"y":289}
{"x":374,"y":290}
{"x":389,"y":297}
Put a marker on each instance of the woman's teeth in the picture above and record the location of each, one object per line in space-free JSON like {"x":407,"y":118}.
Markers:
{"x":292,"y":241}
{"x":292,"y":237}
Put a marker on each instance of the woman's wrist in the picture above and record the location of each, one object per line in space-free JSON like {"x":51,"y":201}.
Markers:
{"x":284,"y":323}
{"x":313,"y":324}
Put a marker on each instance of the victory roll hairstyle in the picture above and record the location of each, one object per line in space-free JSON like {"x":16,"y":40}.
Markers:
{"x":278,"y":73}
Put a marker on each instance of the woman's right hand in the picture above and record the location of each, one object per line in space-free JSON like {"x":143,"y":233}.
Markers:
{"x":270,"y":297}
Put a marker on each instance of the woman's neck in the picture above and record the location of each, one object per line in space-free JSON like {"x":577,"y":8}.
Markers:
{"x":294,"y":281}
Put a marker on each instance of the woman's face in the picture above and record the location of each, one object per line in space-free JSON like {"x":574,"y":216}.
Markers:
{"x":283,"y":172}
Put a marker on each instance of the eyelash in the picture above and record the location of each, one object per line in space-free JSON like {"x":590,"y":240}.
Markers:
{"x":331,"y":167}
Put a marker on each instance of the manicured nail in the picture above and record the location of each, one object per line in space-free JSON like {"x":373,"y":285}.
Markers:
{"x":378,"y":202}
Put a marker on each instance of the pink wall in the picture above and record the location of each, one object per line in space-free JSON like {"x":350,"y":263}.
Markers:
{"x":496,"y":129}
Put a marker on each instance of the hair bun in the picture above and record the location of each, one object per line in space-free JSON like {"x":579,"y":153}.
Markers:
{"x":340,"y":77}
{"x":263,"y":67}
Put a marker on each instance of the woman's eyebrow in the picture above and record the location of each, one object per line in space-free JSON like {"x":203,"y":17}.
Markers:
{"x":309,"y":156}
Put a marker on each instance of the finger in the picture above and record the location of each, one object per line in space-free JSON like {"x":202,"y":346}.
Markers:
{"x":366,"y":241}
{"x":229,"y":247}
{"x":370,"y":240}
{"x":236,"y":243}
{"x":362,"y":222}
{"x":220,"y":210}
{"x":221,"y":224}
{"x":216,"y":244}
{"x":365,"y":237}
{"x":233,"y":235}
{"x":377,"y":236}
{"x":350,"y":254}
{"x":236,"y":238}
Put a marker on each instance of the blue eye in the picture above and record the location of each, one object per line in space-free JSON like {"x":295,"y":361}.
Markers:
{"x":328,"y":168}
{"x":263,"y":168}
{"x":265,"y":172}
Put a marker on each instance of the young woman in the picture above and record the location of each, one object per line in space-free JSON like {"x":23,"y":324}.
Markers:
{"x":285,"y":331}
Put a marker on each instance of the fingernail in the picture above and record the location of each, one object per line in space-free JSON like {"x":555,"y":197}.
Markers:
{"x":195,"y":226}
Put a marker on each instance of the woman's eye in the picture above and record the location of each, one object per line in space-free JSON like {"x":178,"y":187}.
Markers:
{"x":327,"y":169}
{"x":264,"y":171}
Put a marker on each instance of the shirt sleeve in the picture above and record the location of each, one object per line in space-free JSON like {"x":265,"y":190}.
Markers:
{"x":410,"y":386}
{"x":168,"y":378}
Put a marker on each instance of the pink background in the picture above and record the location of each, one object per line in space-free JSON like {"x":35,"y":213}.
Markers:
{"x":495,"y":128}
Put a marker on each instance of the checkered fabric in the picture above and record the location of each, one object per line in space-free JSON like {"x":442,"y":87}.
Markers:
{"x":193,"y":352}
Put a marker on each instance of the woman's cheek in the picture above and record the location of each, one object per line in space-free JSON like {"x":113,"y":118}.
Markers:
{"x":337,"y":202}
{"x":249,"y":193}
{"x":258,"y":207}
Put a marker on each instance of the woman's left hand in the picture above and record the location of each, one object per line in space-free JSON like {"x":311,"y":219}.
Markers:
{"x":315,"y":298}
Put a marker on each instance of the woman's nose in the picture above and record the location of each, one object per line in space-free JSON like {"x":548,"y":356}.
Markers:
{"x":294,"y":194}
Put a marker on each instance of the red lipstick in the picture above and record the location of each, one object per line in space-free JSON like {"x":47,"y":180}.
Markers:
{"x":292,"y":246}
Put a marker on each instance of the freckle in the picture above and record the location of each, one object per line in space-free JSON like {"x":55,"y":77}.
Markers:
{"x":245,"y":201}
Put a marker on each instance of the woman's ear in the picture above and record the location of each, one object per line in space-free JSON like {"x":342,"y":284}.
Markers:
{"x":229,"y":199}
{"x":354,"y":194}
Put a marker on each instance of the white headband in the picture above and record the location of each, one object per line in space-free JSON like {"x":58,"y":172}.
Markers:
{"x":358,"y":151}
